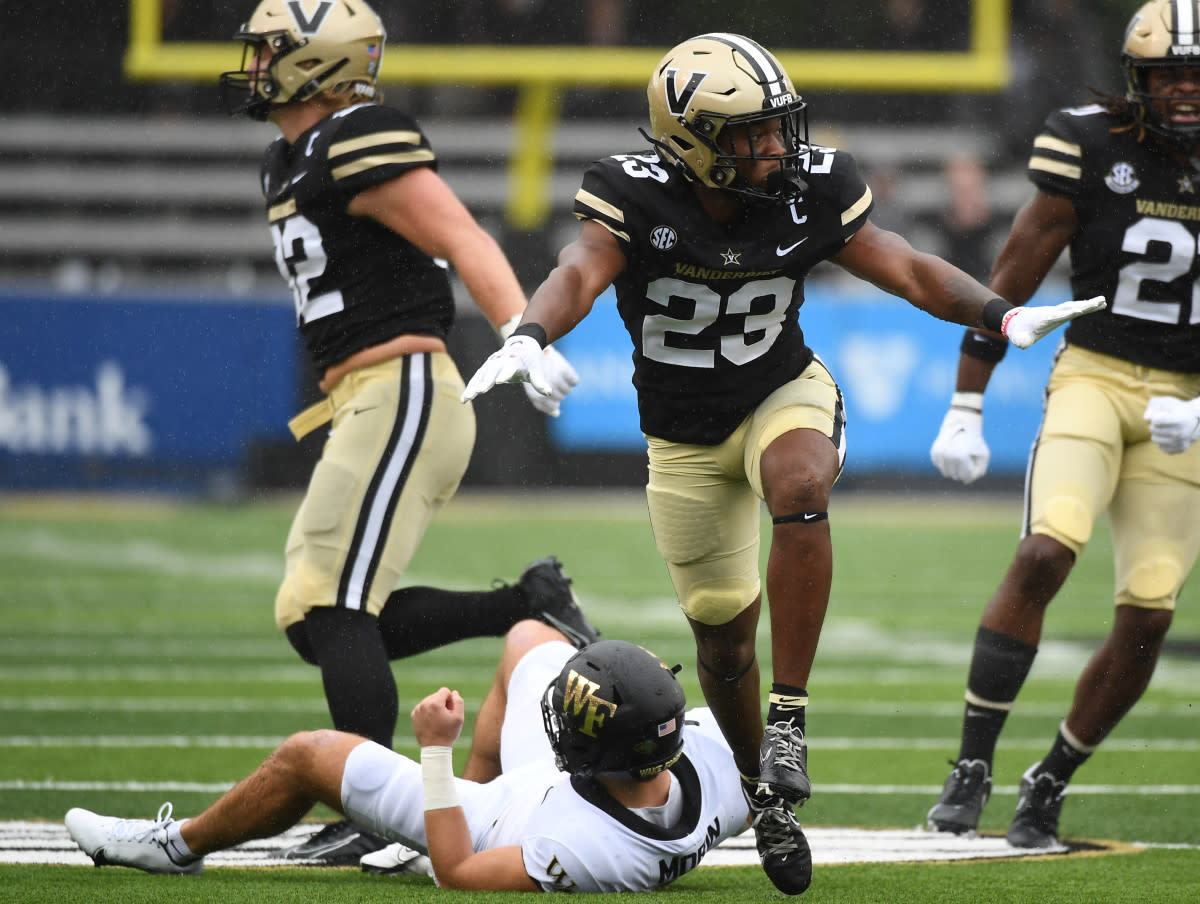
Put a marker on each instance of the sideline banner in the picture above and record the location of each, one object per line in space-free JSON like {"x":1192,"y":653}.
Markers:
{"x":130,"y":392}
{"x":896,"y":366}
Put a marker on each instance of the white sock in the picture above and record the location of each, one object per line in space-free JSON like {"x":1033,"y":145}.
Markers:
{"x":177,"y":848}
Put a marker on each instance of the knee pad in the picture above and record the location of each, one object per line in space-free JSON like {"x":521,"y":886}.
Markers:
{"x":1154,"y":580}
{"x":1067,"y":520}
{"x":717,"y":601}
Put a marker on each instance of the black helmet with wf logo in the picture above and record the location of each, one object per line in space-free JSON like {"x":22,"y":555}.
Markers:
{"x":615,"y":708}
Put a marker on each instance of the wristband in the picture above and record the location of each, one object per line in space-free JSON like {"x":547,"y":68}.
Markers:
{"x":437,"y":778}
{"x":993,"y":315}
{"x":972,"y":401}
{"x":534,"y":331}
{"x":506,"y":329}
{"x":983,"y":347}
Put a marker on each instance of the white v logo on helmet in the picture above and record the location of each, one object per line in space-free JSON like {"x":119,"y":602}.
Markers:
{"x":306,"y":25}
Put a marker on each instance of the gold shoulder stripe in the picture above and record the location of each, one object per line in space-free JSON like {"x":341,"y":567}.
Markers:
{"x":1046,"y":165}
{"x":370,"y":141}
{"x":599,"y":205}
{"x":1050,"y":143}
{"x":365,"y":163}
{"x":617,"y":232}
{"x":852,"y":212}
{"x":282,"y":210}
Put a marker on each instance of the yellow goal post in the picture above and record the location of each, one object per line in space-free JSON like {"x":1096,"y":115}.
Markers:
{"x":540,"y":73}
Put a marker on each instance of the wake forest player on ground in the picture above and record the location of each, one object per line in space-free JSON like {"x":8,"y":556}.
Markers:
{"x":363,"y":226}
{"x":644,"y":792}
{"x":707,"y":238}
{"x":1118,"y":184}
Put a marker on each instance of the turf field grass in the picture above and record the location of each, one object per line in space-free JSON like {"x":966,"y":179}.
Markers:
{"x":138,"y":649}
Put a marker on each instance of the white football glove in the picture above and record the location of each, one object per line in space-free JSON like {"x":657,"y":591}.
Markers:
{"x":559,"y":375}
{"x":1025,"y":326}
{"x":1174,"y":423}
{"x":547,"y":375}
{"x":959,"y":451}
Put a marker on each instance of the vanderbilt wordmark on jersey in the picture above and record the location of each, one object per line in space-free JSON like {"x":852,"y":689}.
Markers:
{"x":355,"y":283}
{"x":1128,"y":196}
{"x":712,"y":309}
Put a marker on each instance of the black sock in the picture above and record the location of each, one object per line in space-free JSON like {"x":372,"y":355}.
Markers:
{"x":787,"y":704}
{"x":416,"y":619}
{"x":359,"y":686}
{"x":999,"y":667}
{"x":1063,"y":759}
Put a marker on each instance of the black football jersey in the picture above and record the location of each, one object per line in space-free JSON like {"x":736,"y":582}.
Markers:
{"x":355,"y":282}
{"x":712,"y":308}
{"x":1139,"y":224}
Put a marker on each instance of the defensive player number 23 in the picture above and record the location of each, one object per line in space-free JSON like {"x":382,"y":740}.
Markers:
{"x":707,"y":306}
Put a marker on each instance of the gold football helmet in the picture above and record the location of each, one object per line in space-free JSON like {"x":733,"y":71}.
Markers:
{"x":1162,"y":33}
{"x":714,"y":81}
{"x":315,"y":46}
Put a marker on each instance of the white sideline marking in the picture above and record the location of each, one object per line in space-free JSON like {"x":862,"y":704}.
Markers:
{"x":832,"y":788}
{"x":39,"y":704}
{"x":234,"y":742}
{"x":49,"y":843}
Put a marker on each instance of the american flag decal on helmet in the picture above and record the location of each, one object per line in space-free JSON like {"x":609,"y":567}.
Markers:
{"x":666,"y":728}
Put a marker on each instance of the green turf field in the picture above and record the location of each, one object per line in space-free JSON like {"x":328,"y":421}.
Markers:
{"x":140,"y":663}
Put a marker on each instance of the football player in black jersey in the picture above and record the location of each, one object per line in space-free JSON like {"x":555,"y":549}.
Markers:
{"x":1117,"y":183}
{"x":707,"y":238}
{"x":364,"y":231}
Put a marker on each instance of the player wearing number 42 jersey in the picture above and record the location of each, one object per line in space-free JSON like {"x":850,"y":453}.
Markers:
{"x":707,"y":237}
{"x":364,"y":232}
{"x":1117,"y":184}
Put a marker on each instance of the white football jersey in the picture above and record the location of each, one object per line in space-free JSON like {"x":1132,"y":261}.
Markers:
{"x":579,"y":839}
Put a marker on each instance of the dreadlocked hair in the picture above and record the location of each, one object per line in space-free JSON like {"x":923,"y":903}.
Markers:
{"x":1122,"y":111}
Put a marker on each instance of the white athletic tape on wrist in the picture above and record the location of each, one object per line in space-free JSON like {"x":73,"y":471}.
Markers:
{"x":506,"y":329}
{"x":437,"y":778}
{"x":972,"y":400}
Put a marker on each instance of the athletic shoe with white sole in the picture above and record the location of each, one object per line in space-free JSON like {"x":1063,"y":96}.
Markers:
{"x":340,"y":843}
{"x":396,"y":860}
{"x":140,"y":843}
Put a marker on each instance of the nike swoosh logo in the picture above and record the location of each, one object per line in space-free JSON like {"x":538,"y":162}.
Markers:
{"x":810,"y":516}
{"x":780,"y":252}
{"x":361,"y":410}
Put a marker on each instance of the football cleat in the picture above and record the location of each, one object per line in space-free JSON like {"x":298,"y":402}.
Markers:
{"x":783,"y":763}
{"x":337,"y":844}
{"x":967,"y":789}
{"x":396,"y":860}
{"x":782,"y":848}
{"x":140,"y":843}
{"x":1039,"y":803}
{"x":552,"y":601}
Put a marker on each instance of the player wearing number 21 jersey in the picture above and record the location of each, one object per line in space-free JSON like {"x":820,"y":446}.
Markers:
{"x":1117,"y":185}
{"x":707,"y":238}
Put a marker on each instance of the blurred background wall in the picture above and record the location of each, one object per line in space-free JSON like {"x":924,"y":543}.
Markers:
{"x":147,"y":342}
